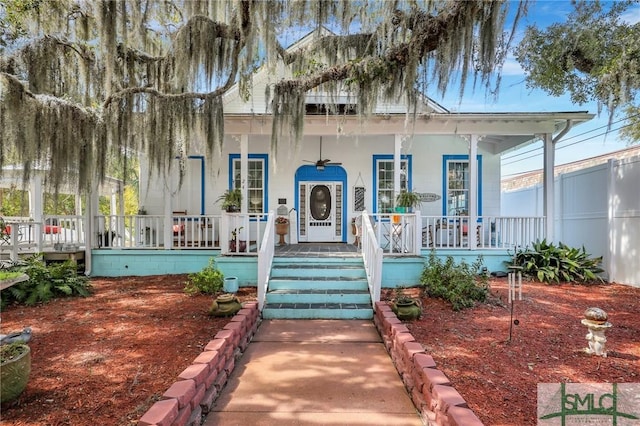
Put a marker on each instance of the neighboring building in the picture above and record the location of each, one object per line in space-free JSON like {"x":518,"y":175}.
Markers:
{"x":534,"y":177}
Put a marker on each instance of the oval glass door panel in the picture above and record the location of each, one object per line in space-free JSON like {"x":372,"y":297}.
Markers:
{"x":320,"y":202}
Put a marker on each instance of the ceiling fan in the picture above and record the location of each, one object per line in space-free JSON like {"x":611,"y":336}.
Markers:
{"x":320,"y":164}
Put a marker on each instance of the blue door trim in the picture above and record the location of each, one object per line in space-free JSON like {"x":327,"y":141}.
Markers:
{"x":330,"y":173}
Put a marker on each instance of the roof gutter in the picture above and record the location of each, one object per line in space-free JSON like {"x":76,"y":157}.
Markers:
{"x":563,"y":132}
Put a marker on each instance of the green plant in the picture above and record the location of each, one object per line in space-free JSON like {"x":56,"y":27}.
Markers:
{"x":4,"y":275}
{"x":11,"y":351}
{"x":408,"y":199}
{"x":548,"y":263}
{"x":235,"y":232}
{"x":460,"y":284}
{"x":208,"y":281}
{"x":231,"y":200}
{"x":46,"y":282}
{"x":400,"y":296}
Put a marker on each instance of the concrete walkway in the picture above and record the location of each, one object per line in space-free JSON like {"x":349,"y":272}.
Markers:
{"x":314,"y":372}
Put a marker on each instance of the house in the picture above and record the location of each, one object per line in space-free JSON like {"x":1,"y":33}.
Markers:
{"x":346,"y":171}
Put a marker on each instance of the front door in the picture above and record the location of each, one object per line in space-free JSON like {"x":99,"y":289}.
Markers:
{"x":320,"y":211}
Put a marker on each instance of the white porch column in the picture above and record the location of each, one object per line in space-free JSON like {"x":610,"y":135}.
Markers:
{"x":36,"y":202}
{"x":244,"y":172}
{"x":548,"y":185}
{"x":113,"y":202}
{"x":473,"y":191}
{"x":91,"y":228}
{"x":167,"y":235}
{"x":117,"y":208}
{"x":397,"y":157}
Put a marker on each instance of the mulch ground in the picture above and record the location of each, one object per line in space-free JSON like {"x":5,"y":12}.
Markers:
{"x":497,"y":365}
{"x":105,"y":359}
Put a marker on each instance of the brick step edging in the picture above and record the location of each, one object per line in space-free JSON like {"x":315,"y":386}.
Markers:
{"x":198,"y":386}
{"x":430,"y":389}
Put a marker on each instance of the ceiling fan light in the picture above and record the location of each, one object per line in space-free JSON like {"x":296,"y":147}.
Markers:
{"x":320,"y":167}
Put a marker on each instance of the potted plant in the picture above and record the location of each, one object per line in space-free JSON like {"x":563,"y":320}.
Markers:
{"x":282,"y":228}
{"x":406,"y":307}
{"x":15,"y":367}
{"x":408,"y":200}
{"x":231,"y":200}
{"x":234,"y":242}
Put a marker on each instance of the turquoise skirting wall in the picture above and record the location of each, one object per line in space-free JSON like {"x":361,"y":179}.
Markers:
{"x":120,"y":263}
{"x":396,"y":271}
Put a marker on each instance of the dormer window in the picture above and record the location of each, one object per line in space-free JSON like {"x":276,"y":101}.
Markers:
{"x":323,"y":109}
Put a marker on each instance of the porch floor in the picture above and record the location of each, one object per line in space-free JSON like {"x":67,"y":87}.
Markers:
{"x":317,"y":249}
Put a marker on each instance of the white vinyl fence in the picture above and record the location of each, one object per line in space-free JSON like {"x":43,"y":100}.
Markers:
{"x":596,"y":207}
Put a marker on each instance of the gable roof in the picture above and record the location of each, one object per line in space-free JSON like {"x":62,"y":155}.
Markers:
{"x":501,"y":132}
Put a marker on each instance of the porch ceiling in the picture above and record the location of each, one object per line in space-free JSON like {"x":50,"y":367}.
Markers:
{"x":499,"y":132}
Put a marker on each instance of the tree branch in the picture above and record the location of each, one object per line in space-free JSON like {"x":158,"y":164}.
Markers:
{"x":427,"y":30}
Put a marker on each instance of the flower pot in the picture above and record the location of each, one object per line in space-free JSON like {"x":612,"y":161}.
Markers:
{"x":242,"y":246}
{"x":225,"y":305}
{"x":230,"y":285}
{"x":406,"y":309}
{"x":14,"y":374}
{"x":282,"y":229}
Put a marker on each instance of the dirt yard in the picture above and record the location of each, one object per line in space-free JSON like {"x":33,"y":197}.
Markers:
{"x":105,"y":359}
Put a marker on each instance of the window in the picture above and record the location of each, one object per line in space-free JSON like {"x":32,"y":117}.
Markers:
{"x":457,"y":183}
{"x":256,"y":180}
{"x":384,"y":198}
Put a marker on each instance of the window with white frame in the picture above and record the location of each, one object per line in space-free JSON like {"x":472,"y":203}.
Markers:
{"x":457,"y":184}
{"x":256,"y":181}
{"x":383,"y":181}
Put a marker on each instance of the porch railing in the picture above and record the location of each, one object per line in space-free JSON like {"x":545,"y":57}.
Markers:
{"x":265,"y":259}
{"x":398,"y":233}
{"x":489,"y":232}
{"x":58,"y":233}
{"x":152,"y":232}
{"x":242,"y":233}
{"x":401,"y":234}
{"x":372,"y":257}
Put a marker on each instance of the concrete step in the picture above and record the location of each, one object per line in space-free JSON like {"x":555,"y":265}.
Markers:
{"x":318,"y":296}
{"x":317,"y":283}
{"x":322,"y":288}
{"x":326,"y":270}
{"x":317,"y":311}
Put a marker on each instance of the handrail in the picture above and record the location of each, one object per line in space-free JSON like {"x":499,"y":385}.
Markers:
{"x":372,"y":257}
{"x":265,"y":259}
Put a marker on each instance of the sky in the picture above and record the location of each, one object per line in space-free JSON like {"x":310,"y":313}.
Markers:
{"x":583,"y":141}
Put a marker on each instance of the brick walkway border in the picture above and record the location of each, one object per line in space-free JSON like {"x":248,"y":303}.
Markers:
{"x":198,"y":386}
{"x":430,"y":390}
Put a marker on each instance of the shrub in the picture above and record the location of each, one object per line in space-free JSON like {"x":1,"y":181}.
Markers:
{"x":548,"y":263}
{"x":45,"y":282}
{"x":208,"y":281}
{"x":460,"y":284}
